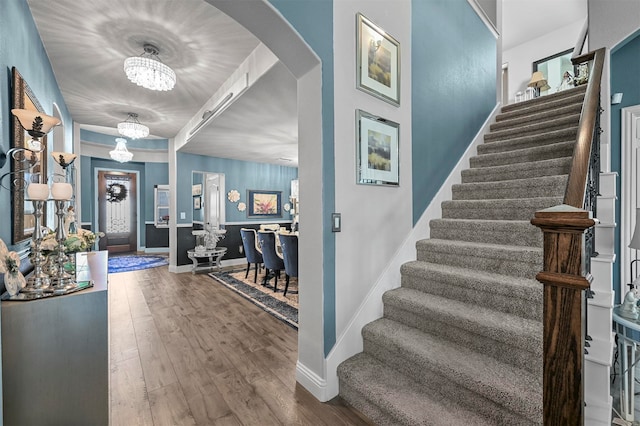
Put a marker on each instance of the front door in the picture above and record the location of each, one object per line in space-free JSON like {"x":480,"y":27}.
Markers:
{"x":117,"y":211}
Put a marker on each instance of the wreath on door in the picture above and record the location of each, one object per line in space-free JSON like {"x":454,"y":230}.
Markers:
{"x":116,"y":192}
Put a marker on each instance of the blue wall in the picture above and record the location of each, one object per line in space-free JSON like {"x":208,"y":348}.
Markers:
{"x":313,"y":19}
{"x":625,"y":78}
{"x":20,"y":47}
{"x":239,"y":175}
{"x":453,"y":65}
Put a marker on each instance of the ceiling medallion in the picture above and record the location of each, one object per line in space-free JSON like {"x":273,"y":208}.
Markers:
{"x":120,"y":153}
{"x":147,"y":71}
{"x":132,"y":128}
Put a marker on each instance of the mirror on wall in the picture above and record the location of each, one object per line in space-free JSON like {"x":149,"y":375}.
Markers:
{"x":207,"y":190}
{"x":22,"y":211}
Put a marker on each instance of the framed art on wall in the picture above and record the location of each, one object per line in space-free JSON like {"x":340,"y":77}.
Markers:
{"x":264,"y":203}
{"x":197,"y":203}
{"x":196,"y":190}
{"x":377,"y":61}
{"x":377,"y":141}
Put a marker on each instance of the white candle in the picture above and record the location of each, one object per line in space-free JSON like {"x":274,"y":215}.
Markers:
{"x":61,"y":191}
{"x":38,"y":191}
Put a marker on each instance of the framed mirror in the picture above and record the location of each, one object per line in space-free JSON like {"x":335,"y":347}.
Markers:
{"x":24,"y":169}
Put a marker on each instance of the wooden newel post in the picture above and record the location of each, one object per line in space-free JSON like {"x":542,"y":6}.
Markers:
{"x":564,"y":283}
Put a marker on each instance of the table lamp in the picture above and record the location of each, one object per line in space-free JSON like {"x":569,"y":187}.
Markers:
{"x":538,"y":82}
{"x":629,"y":307}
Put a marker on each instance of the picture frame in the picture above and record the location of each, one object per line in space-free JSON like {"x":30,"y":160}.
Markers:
{"x":377,"y":150}
{"x":377,"y":61}
{"x":554,"y":68}
{"x":23,"y":223}
{"x":264,"y":203}
{"x":197,"y":203}
{"x":196,"y":190}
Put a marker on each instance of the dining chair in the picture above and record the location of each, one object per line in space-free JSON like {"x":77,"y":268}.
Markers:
{"x":267,"y":241}
{"x":289,"y":244}
{"x":253,"y":256}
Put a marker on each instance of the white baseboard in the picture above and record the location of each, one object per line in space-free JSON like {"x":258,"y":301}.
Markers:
{"x":349,"y":342}
{"x":312,"y":382}
{"x":180,"y":269}
{"x":156,"y":249}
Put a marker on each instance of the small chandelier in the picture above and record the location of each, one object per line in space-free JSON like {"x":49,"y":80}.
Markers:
{"x":132,"y":128}
{"x":147,"y":71}
{"x":121,"y":154}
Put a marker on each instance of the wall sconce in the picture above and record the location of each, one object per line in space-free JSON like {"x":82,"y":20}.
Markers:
{"x":64,"y":159}
{"x":37,"y":125}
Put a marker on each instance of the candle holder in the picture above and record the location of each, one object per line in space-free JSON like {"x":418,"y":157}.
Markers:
{"x":61,"y":281}
{"x":39,"y":280}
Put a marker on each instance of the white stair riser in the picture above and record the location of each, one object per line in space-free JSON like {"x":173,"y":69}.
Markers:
{"x":608,"y":184}
{"x":602,"y":273}
{"x":604,"y":239}
{"x":607,"y":209}
{"x":596,"y":414}
{"x":599,"y":321}
{"x":596,"y":381}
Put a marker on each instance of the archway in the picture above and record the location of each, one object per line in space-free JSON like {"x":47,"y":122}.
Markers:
{"x":270,"y":27}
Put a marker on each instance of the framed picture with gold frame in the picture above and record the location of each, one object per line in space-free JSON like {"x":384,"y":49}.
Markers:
{"x":377,"y":61}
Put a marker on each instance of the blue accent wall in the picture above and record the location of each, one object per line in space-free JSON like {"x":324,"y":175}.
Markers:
{"x":239,"y":175}
{"x":155,"y":174}
{"x":625,"y":78}
{"x":313,"y":19}
{"x":453,"y":65}
{"x":20,"y":47}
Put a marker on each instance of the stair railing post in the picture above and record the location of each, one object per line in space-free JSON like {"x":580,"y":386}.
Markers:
{"x":564,"y":280}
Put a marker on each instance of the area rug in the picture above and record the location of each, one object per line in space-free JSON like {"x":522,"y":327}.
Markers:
{"x":285,"y":308}
{"x":126,"y":263}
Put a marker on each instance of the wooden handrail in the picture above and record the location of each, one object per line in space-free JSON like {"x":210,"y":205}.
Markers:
{"x":563,"y":271}
{"x":577,"y":182}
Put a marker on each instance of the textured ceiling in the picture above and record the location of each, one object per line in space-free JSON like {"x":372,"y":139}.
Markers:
{"x":88,"y":40}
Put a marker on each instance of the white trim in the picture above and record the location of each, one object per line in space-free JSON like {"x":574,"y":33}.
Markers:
{"x":257,"y":223}
{"x":349,"y":342}
{"x":312,"y":382}
{"x":628,"y":190}
{"x":184,"y":225}
{"x":483,"y":16}
{"x":180,"y":269}
{"x":156,"y":249}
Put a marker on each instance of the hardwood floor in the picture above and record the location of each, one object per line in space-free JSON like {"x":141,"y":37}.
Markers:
{"x":186,"y":351}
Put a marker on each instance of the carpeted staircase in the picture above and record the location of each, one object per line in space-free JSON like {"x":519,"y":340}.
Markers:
{"x":460,"y":342}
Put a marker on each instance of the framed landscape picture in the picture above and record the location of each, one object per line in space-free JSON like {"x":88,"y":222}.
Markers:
{"x":377,"y":141}
{"x":377,"y":61}
{"x":264,"y":203}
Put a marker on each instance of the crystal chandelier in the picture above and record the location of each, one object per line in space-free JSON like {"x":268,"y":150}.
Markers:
{"x":147,"y":71}
{"x":132,"y":128}
{"x":121,"y":154}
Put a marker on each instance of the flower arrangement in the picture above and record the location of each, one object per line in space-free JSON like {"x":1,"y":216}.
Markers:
{"x":10,"y":266}
{"x":83,"y":240}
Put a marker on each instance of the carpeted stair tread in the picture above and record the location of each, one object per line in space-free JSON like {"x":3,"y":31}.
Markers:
{"x":551,"y":167}
{"x":513,"y":330}
{"x":521,"y":288}
{"x":543,"y":186}
{"x":513,"y":295}
{"x":535,"y":129}
{"x":544,"y":152}
{"x":419,"y":355}
{"x":507,"y":232}
{"x":549,"y":101}
{"x":567,"y":134}
{"x":505,"y":209}
{"x":539,"y":116}
{"x":398,"y":399}
{"x":515,"y":261}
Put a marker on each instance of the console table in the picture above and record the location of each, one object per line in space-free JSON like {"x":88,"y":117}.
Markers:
{"x":213,"y":255}
{"x":55,"y":355}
